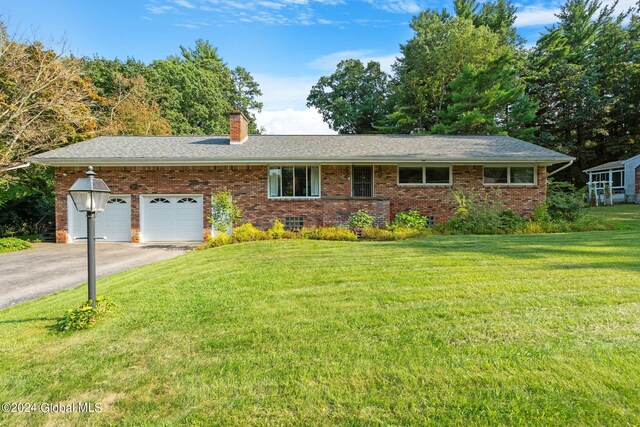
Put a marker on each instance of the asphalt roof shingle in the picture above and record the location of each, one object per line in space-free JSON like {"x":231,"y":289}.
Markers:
{"x":260,"y":148}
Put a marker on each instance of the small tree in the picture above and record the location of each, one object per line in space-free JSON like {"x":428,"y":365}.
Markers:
{"x":224,"y":212}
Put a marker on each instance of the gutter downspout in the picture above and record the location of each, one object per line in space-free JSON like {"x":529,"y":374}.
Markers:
{"x":26,"y":165}
{"x":560,"y":168}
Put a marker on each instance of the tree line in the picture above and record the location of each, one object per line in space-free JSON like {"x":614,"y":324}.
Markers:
{"x":468,"y":72}
{"x":49,"y":99}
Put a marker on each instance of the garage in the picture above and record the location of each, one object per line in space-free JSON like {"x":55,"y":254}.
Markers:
{"x":171,"y":218}
{"x":114,"y":224}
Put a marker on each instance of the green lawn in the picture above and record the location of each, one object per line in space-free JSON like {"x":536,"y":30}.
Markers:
{"x":453,"y":330}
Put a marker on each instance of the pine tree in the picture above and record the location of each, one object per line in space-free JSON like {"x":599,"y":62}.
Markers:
{"x":489,"y":99}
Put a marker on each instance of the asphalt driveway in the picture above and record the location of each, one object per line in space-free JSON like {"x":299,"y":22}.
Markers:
{"x":49,"y":267}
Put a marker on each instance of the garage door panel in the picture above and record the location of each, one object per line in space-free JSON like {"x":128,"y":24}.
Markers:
{"x":114,"y":224}
{"x":172,"y":218}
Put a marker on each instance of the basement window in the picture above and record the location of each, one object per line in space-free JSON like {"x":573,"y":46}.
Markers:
{"x":293,"y":223}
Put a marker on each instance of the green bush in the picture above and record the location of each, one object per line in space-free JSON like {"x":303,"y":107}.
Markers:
{"x":541,"y":214}
{"x":328,"y":233}
{"x":481,"y":214}
{"x":510,"y":222}
{"x":411,"y":219}
{"x":247,"y":233}
{"x":360,"y":219}
{"x":10,"y":244}
{"x":564,"y":202}
{"x":277,"y":230}
{"x":395,"y":233}
{"x":376,"y":233}
{"x":85,"y":316}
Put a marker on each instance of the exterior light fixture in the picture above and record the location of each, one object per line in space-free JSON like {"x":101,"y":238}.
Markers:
{"x":90,"y":195}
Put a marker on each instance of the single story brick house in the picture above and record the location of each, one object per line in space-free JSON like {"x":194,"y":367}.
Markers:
{"x":161,"y":186}
{"x":622,"y":177}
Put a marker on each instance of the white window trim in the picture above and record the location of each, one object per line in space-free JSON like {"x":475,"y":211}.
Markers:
{"x":269,"y":196}
{"x":424,"y":176}
{"x":509,"y":183}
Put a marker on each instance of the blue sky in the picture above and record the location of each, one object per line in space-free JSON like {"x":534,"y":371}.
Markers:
{"x":285,"y":44}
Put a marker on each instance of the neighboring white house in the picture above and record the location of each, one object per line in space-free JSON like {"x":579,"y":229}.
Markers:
{"x":622,"y":177}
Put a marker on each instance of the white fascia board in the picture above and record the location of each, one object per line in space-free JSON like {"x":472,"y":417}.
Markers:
{"x":233,"y":162}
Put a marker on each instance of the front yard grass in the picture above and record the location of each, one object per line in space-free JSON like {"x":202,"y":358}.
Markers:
{"x":447,"y":330}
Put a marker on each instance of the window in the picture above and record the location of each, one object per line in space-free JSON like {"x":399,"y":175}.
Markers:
{"x":617,"y":178}
{"x":187,"y":200}
{"x":431,"y":221}
{"x":117,"y":200}
{"x":294,"y":181}
{"x":521,"y":175}
{"x":436,"y":175}
{"x":514,"y":175}
{"x":159,"y":200}
{"x":293,"y":222}
{"x":496,"y":175}
{"x":430,"y":175}
{"x":410,"y":175}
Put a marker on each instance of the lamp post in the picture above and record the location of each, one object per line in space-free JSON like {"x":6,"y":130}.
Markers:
{"x":90,"y":195}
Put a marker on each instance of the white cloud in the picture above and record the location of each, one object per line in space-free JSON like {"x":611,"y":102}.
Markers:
{"x":293,"y":122}
{"x":540,"y":14}
{"x":159,"y":10}
{"x":396,"y":6}
{"x":537,"y":15}
{"x":327,"y":63}
{"x":283,"y":92}
{"x":184,"y":3}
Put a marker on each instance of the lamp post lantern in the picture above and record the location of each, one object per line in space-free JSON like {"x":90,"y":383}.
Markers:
{"x":90,"y":195}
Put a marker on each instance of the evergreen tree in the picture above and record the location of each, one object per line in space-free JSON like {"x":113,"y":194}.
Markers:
{"x":489,"y":99}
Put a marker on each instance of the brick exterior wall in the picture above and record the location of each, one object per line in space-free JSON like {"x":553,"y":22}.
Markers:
{"x":248,"y":185}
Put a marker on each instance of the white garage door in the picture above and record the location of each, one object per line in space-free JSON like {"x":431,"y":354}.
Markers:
{"x":114,"y":223}
{"x":172,"y":218}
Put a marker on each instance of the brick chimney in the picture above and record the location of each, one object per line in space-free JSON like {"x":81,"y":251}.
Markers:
{"x":238,"y":127}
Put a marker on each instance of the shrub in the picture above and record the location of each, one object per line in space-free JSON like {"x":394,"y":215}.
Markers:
{"x":360,"y":219}
{"x":541,"y":214}
{"x":247,"y":233}
{"x":396,"y":233}
{"x":411,"y":219}
{"x":85,"y":316}
{"x":10,"y":244}
{"x":481,"y":214}
{"x":277,"y":230}
{"x":510,"y":222}
{"x":224,"y":212}
{"x":402,"y":233}
{"x":533,"y":227}
{"x":376,"y":233}
{"x":219,"y":240}
{"x":564,"y":202}
{"x":328,"y":233}
{"x":32,"y":214}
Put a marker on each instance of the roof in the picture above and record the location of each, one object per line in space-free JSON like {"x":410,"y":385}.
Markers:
{"x":204,"y":150}
{"x":618,"y":164}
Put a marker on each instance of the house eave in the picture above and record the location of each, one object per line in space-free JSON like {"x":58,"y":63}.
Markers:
{"x":58,"y":162}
